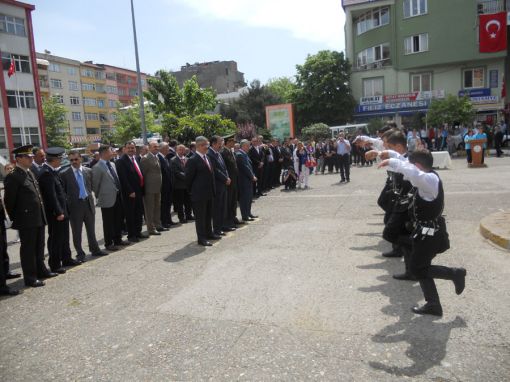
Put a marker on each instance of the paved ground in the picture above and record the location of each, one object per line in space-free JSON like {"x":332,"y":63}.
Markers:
{"x":301,"y":294}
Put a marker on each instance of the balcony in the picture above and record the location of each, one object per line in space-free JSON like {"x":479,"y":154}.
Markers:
{"x":490,"y":6}
{"x":373,"y":65}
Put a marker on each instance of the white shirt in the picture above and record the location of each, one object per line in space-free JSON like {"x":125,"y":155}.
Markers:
{"x":377,"y":143}
{"x":427,"y":183}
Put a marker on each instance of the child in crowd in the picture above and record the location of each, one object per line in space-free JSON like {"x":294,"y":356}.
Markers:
{"x":290,"y":178}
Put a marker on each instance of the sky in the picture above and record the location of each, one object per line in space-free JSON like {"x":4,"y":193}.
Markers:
{"x":267,"y":38}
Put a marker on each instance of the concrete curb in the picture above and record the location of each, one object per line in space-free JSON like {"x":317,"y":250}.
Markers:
{"x":496,"y":228}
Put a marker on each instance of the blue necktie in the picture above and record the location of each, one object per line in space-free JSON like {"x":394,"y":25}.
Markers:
{"x":113,"y":174}
{"x":81,"y":185}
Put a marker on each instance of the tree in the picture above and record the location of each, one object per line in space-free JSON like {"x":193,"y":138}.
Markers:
{"x":451,"y":110}
{"x":316,"y":131}
{"x":282,"y":87}
{"x":374,"y":125}
{"x":323,"y":93}
{"x":196,"y":100}
{"x":57,"y":129}
{"x":128,"y":124}
{"x":186,"y":129}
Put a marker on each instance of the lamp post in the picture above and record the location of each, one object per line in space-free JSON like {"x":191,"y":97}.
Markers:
{"x":139,"y":79}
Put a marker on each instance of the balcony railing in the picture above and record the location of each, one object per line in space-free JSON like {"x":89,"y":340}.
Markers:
{"x":490,"y":6}
{"x":373,"y":65}
{"x":44,"y":84}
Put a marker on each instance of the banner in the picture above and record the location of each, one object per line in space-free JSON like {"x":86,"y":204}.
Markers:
{"x":492,"y":31}
{"x":280,"y":120}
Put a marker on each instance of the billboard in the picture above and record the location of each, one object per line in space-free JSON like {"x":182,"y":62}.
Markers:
{"x":280,"y":120}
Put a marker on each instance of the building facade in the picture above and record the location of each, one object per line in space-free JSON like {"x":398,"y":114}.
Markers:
{"x":21,"y":118}
{"x":405,"y":53}
{"x":222,"y":76}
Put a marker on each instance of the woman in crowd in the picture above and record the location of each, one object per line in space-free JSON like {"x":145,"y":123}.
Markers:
{"x":467,"y":144}
{"x":301,"y":156}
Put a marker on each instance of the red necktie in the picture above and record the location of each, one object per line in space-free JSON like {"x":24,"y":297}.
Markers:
{"x":138,"y":171}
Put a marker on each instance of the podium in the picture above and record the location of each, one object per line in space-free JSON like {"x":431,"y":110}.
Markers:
{"x":477,"y":152}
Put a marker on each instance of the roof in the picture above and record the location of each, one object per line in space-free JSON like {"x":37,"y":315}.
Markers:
{"x":19,"y":4}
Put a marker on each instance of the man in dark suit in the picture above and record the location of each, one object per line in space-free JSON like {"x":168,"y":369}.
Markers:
{"x":78,"y":187}
{"x":57,"y":211}
{"x":24,"y":204}
{"x":278,"y":161}
{"x":180,"y":195}
{"x":166,"y":185}
{"x":39,"y":159}
{"x":201,"y":185}
{"x":245,"y":181}
{"x":227,"y":154}
{"x":172,"y":146}
{"x":106,"y":186}
{"x":131,"y":184}
{"x":4,"y":262}
{"x":222,"y":180}
{"x":257,"y":160}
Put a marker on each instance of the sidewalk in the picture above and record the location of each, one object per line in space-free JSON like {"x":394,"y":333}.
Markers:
{"x":496,"y":228}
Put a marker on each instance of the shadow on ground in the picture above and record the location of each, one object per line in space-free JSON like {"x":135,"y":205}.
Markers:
{"x":426,"y":337}
{"x":189,"y":250}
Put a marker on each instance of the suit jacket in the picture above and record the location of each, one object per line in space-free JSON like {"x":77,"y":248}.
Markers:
{"x":178,"y":171}
{"x":171,"y":154}
{"x":246,"y":173}
{"x":151,"y":170}
{"x":129,"y":179}
{"x":166,"y":174}
{"x":200,"y":179}
{"x":104,"y":186}
{"x":230,"y":161}
{"x":256,"y":157}
{"x":220,"y":170}
{"x":36,"y":170}
{"x":53,"y":193}
{"x":23,"y":200}
{"x":72,"y":189}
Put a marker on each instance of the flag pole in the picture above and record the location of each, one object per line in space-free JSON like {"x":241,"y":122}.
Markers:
{"x":18,"y":106}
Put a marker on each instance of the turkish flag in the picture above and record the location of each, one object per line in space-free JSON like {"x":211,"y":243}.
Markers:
{"x":493,"y":32}
{"x":12,"y":68}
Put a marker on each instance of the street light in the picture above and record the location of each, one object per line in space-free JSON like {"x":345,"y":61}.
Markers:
{"x":139,"y":78}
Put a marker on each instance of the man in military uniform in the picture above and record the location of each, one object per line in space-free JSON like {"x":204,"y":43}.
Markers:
{"x":227,"y":154}
{"x":57,"y":211}
{"x":24,"y":204}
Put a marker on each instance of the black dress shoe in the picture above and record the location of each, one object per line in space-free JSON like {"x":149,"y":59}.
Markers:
{"x":254,"y":216}
{"x":459,"y":280}
{"x":214,"y":237}
{"x":237,"y":221}
{"x":6,"y":291}
{"x":155,"y":233}
{"x":171,"y":224}
{"x":404,"y":276}
{"x":111,"y":248}
{"x":240,"y":222}
{"x":133,"y":240}
{"x":100,"y":253}
{"x":142,"y":236}
{"x":228,"y":229}
{"x":59,"y":270}
{"x":123,"y":243}
{"x":434,"y":310}
{"x":11,"y":275}
{"x":248,"y":220}
{"x":34,"y":283}
{"x":205,"y":243}
{"x":48,"y":275}
{"x":392,"y":253}
{"x":183,"y":221}
{"x":220,"y":233}
{"x":70,"y":263}
{"x":162,"y":229}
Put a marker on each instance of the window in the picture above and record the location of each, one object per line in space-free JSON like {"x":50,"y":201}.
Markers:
{"x":421,"y":82}
{"x":56,"y":84}
{"x":22,"y":99}
{"x":74,"y":100}
{"x":100,"y":102}
{"x":73,"y":85}
{"x":113,"y":116}
{"x":31,"y":136}
{"x":80,"y":130}
{"x":3,"y":142}
{"x":43,"y":82}
{"x":129,"y":80}
{"x":373,"y":87}
{"x":110,"y":76}
{"x":100,"y":75}
{"x":474,"y":78}
{"x":59,"y":98}
{"x":491,"y":6}
{"x":416,"y":44}
{"x":133,"y":92}
{"x":100,"y":88}
{"x":71,"y":71}
{"x":112,"y":103}
{"x":12,"y":25}
{"x":54,"y":67}
{"x":76,"y":115}
{"x":414,"y":8}
{"x":91,"y":117}
{"x":89,"y":102}
{"x":373,"y":54}
{"x":111,"y":89}
{"x":122,"y":91}
{"x":87,"y":87}
{"x":103,"y":117}
{"x":87,"y":73}
{"x":372,"y":19}
{"x":21,"y":63}
{"x":93,"y":130}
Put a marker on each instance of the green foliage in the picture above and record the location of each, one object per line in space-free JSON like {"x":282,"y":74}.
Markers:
{"x":316,"y":131}
{"x":57,"y":128}
{"x":128,"y":124}
{"x":418,"y":121}
{"x":186,"y":129}
{"x":323,"y":93}
{"x":451,"y":110}
{"x":266,"y":134}
{"x":168,"y":98}
{"x":251,"y":105}
{"x":282,"y":87}
{"x":374,"y":125}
